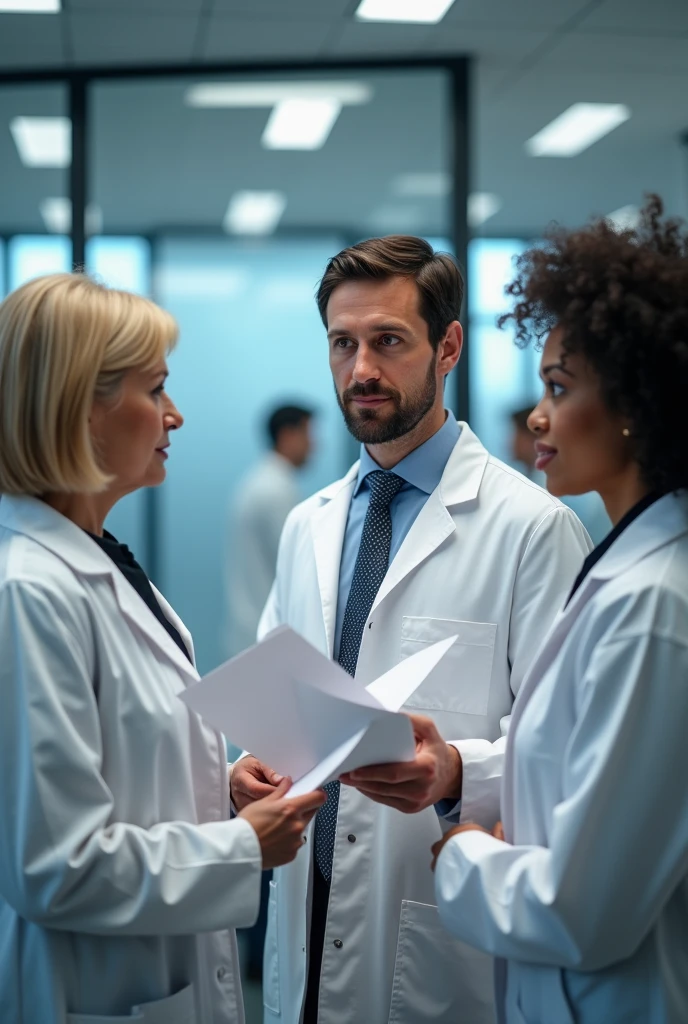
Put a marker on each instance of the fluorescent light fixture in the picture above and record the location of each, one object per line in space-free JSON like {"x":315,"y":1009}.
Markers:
{"x":626,"y":218}
{"x":300,"y":124}
{"x":254,"y":213}
{"x":29,"y":6}
{"x":482,"y":206}
{"x":577,"y":128}
{"x":43,"y":141}
{"x":267,"y":94}
{"x":427,"y":12}
{"x":57,"y":216}
{"x":423,"y":185}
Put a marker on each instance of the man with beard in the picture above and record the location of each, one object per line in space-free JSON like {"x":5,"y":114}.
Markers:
{"x":425,"y":538}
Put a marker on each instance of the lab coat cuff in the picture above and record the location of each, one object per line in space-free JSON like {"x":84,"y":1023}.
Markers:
{"x":482,"y":777}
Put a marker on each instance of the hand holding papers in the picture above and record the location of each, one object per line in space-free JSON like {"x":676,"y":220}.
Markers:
{"x":301,"y":713}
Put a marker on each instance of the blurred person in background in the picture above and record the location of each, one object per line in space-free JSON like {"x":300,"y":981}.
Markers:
{"x":262,"y":502}
{"x":587,"y":899}
{"x":425,"y":538}
{"x":588,"y":507}
{"x":121,"y":876}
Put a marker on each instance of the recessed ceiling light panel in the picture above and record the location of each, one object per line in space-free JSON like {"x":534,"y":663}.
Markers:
{"x":43,"y":141}
{"x":577,"y":128}
{"x":267,"y":94}
{"x":300,"y":124}
{"x":29,"y":6}
{"x":626,"y":218}
{"x":482,"y":206}
{"x":427,"y":12}
{"x":254,"y":213}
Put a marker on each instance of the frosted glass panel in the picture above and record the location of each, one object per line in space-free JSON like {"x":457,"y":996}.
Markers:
{"x":250,"y":338}
{"x":34,"y":255}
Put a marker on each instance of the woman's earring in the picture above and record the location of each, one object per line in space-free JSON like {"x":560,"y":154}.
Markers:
{"x":626,"y":432}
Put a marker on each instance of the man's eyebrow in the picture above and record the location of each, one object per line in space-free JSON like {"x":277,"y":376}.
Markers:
{"x":556,"y":366}
{"x":390,"y":327}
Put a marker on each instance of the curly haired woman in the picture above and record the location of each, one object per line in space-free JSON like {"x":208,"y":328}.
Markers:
{"x":584,"y":894}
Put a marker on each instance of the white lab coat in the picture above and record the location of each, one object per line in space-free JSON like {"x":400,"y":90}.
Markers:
{"x":262,"y":503}
{"x":115,"y":851}
{"x":590,"y":903}
{"x":491,"y":557}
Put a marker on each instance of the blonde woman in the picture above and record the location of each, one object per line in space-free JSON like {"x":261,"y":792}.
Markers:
{"x":121,"y":875}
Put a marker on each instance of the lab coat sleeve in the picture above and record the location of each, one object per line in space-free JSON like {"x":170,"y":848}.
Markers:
{"x":619,"y":836}
{"x":65,"y":861}
{"x":550,"y":563}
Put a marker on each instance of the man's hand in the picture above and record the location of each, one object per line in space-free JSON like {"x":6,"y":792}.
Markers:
{"x":497,"y":832}
{"x":280,"y":823}
{"x":251,"y":780}
{"x":436,"y":773}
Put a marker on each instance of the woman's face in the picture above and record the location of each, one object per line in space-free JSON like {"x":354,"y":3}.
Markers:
{"x":579,"y":443}
{"x":131,"y":432}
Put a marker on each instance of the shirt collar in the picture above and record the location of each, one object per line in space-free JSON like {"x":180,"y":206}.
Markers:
{"x":424,"y":466}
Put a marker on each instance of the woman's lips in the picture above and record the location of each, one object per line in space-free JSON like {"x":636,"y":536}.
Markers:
{"x":544,"y":454}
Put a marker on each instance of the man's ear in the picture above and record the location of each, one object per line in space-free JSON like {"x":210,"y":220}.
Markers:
{"x":450,"y":347}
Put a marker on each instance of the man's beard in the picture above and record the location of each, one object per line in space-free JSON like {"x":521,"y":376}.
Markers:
{"x":408,"y":411}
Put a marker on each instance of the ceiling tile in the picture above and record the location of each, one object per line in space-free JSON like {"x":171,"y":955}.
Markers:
{"x":512,"y":45}
{"x":144,"y":6}
{"x":320,"y":10}
{"x":356,"y":39}
{"x":128,"y":38}
{"x":661,"y":17}
{"x":30,"y":41}
{"x":599,"y":51}
{"x":258,"y":39}
{"x":501,"y":14}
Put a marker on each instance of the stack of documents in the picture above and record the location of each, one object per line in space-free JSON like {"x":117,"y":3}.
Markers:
{"x":304,"y":716}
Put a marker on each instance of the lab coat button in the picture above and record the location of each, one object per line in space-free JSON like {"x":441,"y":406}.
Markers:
{"x":351,"y":838}
{"x":338,"y":943}
{"x":221,"y":973}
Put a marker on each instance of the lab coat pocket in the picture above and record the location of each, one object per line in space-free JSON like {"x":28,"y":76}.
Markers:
{"x":461,"y":681}
{"x":436,"y":977}
{"x":271,"y":987}
{"x":176,"y":1009}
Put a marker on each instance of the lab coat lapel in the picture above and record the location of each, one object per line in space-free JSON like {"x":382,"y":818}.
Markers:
{"x":459,"y":485}
{"x":67,"y":541}
{"x":328,"y":525}
{"x":662,"y":523}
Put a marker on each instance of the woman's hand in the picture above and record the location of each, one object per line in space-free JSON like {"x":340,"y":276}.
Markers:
{"x":280,"y":823}
{"x":251,"y":780}
{"x":497,"y":832}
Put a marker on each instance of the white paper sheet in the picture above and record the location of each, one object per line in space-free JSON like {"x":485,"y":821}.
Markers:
{"x":303,"y":715}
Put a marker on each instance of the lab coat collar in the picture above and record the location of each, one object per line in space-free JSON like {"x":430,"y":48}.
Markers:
{"x":35,"y":519}
{"x":459,"y":485}
{"x":660,"y":524}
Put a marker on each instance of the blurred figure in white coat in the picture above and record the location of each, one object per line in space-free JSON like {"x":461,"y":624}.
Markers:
{"x":122,"y":877}
{"x":263,"y":500}
{"x":587,"y":899}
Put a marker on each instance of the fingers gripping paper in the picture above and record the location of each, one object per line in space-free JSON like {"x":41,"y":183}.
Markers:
{"x":302,"y":714}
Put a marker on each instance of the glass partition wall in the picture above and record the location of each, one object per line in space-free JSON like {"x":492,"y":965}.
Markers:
{"x":222,"y":196}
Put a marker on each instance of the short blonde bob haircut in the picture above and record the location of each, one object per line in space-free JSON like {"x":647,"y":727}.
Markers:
{"x":66,"y":340}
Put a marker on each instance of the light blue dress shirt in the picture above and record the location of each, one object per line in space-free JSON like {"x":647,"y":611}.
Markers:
{"x":422,"y":470}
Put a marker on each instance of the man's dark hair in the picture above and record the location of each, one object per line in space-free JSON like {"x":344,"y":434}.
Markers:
{"x":439,"y":280}
{"x":621,"y":300}
{"x":286,"y":416}
{"x":519,"y":417}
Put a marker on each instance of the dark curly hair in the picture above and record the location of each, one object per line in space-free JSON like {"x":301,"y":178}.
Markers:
{"x":621,"y":298}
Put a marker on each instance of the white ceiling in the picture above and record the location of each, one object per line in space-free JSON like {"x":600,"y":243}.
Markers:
{"x":532,"y":59}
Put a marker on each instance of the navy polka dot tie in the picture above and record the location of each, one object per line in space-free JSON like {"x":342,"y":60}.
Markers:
{"x":369,"y":572}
